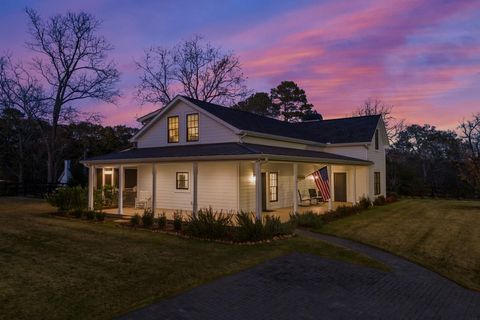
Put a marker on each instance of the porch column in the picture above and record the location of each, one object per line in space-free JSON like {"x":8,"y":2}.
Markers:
{"x":194,"y":187}
{"x":91,"y":185}
{"x":154,"y":187}
{"x":355,"y":185}
{"x":330,"y":178}
{"x":258,"y":189}
{"x":295,"y":188}
{"x":121,"y":175}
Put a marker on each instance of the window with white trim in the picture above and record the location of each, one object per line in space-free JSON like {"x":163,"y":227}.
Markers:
{"x":182,"y":181}
{"x":377,"y":184}
{"x":273,"y":186}
{"x":172,"y":128}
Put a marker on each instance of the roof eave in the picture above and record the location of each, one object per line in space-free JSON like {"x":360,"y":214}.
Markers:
{"x":229,"y":158}
{"x":281,"y":138}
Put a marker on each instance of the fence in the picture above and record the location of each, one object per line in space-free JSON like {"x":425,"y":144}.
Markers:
{"x":38,"y":190}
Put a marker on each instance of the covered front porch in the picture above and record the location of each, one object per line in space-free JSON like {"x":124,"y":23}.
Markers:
{"x":231,"y":186}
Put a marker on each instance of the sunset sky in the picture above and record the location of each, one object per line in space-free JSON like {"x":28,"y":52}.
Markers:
{"x":423,"y":57}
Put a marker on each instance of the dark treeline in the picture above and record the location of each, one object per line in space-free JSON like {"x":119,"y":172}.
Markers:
{"x":426,"y":161}
{"x":24,"y":159}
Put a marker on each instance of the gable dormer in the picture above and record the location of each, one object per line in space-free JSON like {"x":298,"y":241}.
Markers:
{"x":183,"y":123}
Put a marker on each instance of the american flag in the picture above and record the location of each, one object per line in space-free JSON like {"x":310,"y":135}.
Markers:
{"x":321,"y":180}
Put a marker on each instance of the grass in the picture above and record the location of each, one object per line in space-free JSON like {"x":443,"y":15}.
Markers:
{"x":56,"y":268}
{"x":442,"y":235}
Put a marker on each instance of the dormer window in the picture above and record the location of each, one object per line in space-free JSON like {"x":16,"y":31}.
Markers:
{"x":192,"y":127}
{"x":376,"y":140}
{"x":172,"y":129}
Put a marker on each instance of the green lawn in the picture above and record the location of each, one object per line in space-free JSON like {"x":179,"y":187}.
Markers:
{"x":57,"y":268}
{"x":443,"y":235}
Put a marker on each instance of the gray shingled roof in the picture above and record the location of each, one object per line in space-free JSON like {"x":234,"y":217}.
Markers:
{"x":226,"y":150}
{"x":343,"y":130}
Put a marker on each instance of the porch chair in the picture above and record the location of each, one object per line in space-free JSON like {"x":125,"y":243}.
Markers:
{"x":304,"y":200}
{"x":314,"y":195}
{"x":143,"y":200}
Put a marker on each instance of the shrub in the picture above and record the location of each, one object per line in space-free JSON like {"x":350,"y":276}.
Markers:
{"x":391,"y":197}
{"x":78,"y":213}
{"x":274,"y":227}
{"x":341,"y":212}
{"x":177,"y":220}
{"x":162,"y":220}
{"x":364,"y":203}
{"x":208,"y":224}
{"x":68,"y":198}
{"x":148,"y":218}
{"x":135,"y":220}
{"x":100,"y":215}
{"x":90,"y":215}
{"x":379,"y":201}
{"x":307,"y":219}
{"x":249,"y":228}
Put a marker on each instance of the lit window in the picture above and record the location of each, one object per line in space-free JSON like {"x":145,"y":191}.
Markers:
{"x":192,"y":127}
{"x":376,"y":140}
{"x":172,"y":129}
{"x":273,"y":186}
{"x":182,"y":180}
{"x":378,"y":189}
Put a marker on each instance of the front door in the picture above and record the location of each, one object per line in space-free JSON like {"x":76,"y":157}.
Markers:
{"x":264,"y":191}
{"x":340,"y":186}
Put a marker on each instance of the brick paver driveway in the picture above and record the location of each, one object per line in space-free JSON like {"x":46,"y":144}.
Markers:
{"x":301,"y":286}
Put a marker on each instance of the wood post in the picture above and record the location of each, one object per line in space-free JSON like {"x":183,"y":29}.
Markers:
{"x":330,"y":179}
{"x":121,"y":175}
{"x":258,"y":189}
{"x":194,"y":187}
{"x":91,"y":186}
{"x":295,"y":188}
{"x":355,"y":200}
{"x":154,"y":187}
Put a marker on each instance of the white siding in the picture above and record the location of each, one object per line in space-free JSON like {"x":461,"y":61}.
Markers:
{"x":218,"y":185}
{"x":378,"y":158}
{"x":210,"y":131}
{"x":144,"y":181}
{"x":168,"y":197}
{"x":359,"y":152}
{"x":247,"y":186}
{"x":271,"y":142}
{"x":285,"y":184}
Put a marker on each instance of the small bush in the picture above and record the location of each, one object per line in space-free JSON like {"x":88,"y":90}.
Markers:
{"x":135,"y":220}
{"x":78,"y":213}
{"x":177,"y":220}
{"x":274,"y":227}
{"x":391,"y":197}
{"x":341,"y":212}
{"x":364,"y":203}
{"x":68,"y":198}
{"x":379,"y":201}
{"x":162,"y":220}
{"x":208,"y":224}
{"x":90,"y":215}
{"x":308,"y":219}
{"x":100,"y":215}
{"x":148,"y":218}
{"x":249,"y":228}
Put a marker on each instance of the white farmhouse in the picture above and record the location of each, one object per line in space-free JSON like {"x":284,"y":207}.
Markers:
{"x":193,"y":154}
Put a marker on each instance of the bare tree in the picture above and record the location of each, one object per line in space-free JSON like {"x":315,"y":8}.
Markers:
{"x":72,"y":62}
{"x":470,"y":134}
{"x":377,"y":107}
{"x":21,"y":96}
{"x":192,"y":68}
